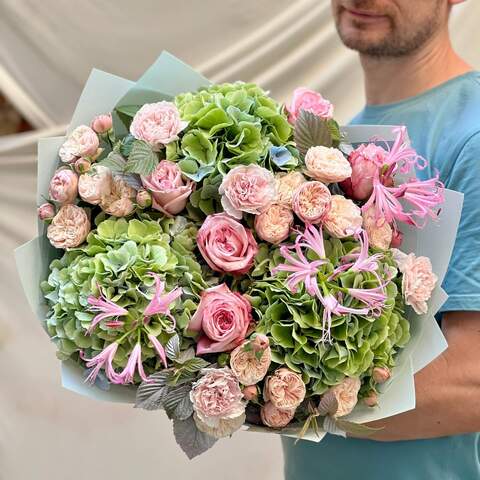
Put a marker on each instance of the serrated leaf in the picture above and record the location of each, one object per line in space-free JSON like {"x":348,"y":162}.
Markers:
{"x":150,"y":394}
{"x":186,"y":354}
{"x":194,"y":365}
{"x":190,"y":439}
{"x":114,"y":161}
{"x":328,"y":404}
{"x":311,"y":131}
{"x":177,"y":402}
{"x":131,"y":179}
{"x":172,"y":348}
{"x":142,"y":159}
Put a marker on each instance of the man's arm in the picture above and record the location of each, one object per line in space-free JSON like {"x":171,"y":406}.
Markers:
{"x":447,"y":390}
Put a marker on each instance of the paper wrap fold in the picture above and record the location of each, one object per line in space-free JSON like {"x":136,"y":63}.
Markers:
{"x":166,"y":78}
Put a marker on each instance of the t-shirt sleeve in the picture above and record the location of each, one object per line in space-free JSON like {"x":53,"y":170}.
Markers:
{"x":462,"y":282}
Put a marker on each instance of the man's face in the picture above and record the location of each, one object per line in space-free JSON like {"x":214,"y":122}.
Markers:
{"x":388,"y":28}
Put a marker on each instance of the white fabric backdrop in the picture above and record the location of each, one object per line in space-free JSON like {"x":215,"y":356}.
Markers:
{"x":47,"y":49}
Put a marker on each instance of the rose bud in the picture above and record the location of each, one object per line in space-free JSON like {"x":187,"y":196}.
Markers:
{"x":371,"y":400}
{"x":311,"y":202}
{"x":286,"y":184}
{"x":144,"y":199}
{"x":397,"y":239}
{"x":102,"y":123}
{"x":46,"y":211}
{"x":169,"y":190}
{"x":63,"y":186}
{"x":247,"y":188}
{"x":311,"y":101}
{"x":82,"y":165}
{"x":343,"y":217}
{"x":275,"y":417}
{"x":327,"y":165}
{"x":260,"y":342}
{"x":250,"y":392}
{"x":274,"y":224}
{"x":381,"y":374}
{"x":366,"y":161}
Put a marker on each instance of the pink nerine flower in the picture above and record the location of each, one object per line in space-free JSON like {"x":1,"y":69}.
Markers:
{"x":157,"y":124}
{"x":226,"y":245}
{"x":366,"y":161}
{"x":169,"y":190}
{"x":218,"y":402}
{"x":102,"y":123}
{"x":128,"y":373}
{"x":159,"y":349}
{"x":311,"y":202}
{"x":82,"y":142}
{"x":160,"y":303}
{"x":106,"y":309}
{"x":249,"y":189}
{"x":222,"y":318}
{"x":418,"y":280}
{"x":311,"y":101}
{"x":63,"y":186}
{"x":103,"y":359}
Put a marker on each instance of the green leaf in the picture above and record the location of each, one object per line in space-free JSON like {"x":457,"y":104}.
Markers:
{"x":283,"y":335}
{"x":177,"y":403}
{"x":114,"y":161}
{"x":172,"y":348}
{"x":142,"y":159}
{"x":190,"y":439}
{"x":128,"y":110}
{"x":311,"y":131}
{"x":150,"y":394}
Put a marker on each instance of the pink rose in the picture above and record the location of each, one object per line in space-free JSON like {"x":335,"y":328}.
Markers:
{"x":169,"y":190}
{"x":273,"y":225}
{"x":311,"y":202}
{"x":379,"y":232}
{"x":69,"y":227}
{"x":274,"y":417}
{"x":345,"y":395}
{"x":371,"y":400}
{"x":82,"y":165}
{"x":327,"y":165}
{"x":218,"y":402}
{"x":248,"y":189}
{"x":82,"y":142}
{"x":222,"y":318}
{"x":96,"y":185}
{"x":366,"y":161}
{"x":286,"y":184}
{"x":120,"y":201}
{"x":102,"y":123}
{"x":46,"y":211}
{"x":311,"y":101}
{"x":250,"y":392}
{"x":397,"y":239}
{"x":418,"y":280}
{"x":226,"y":245}
{"x":247,"y":366}
{"x":285,"y":389}
{"x":157,"y":124}
{"x":63,"y":186}
{"x":343,"y":218}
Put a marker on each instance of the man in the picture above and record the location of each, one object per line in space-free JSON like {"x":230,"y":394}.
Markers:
{"x":414,"y":78}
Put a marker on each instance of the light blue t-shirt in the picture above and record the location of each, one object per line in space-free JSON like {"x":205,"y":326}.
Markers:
{"x":444,"y":127}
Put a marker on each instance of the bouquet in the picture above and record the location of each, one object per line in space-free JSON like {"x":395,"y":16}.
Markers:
{"x":236,"y":262}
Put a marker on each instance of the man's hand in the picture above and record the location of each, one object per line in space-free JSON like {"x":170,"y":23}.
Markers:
{"x":447,"y":390}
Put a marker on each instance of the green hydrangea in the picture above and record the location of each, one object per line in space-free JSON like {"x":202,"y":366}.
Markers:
{"x":117,"y":258}
{"x":229,"y":124}
{"x":294,"y":322}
